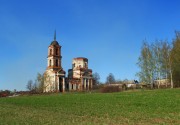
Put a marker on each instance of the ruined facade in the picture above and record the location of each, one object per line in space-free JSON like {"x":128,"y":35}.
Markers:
{"x":79,"y":77}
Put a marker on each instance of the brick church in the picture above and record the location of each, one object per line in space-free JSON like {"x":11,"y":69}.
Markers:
{"x":79,"y":77}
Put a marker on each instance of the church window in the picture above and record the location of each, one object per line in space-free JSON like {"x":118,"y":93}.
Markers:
{"x":50,"y":51}
{"x":56,"y":62}
{"x":74,"y":65}
{"x":49,"y":62}
{"x":56,"y":51}
{"x":85,"y":64}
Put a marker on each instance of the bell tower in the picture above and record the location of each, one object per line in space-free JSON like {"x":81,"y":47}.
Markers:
{"x":54,"y":74}
{"x":54,"y":55}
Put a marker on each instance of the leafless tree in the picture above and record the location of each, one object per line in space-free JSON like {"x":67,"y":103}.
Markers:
{"x":146,"y":64}
{"x":96,"y":78}
{"x":29,"y":85}
{"x":110,"y":79}
{"x":40,"y":82}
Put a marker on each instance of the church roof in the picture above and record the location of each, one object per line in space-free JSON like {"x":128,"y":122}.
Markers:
{"x":80,"y":58}
{"x":54,"y":43}
{"x":61,"y":71}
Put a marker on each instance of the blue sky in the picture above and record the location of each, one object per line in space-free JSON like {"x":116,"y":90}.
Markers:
{"x":107,"y":32}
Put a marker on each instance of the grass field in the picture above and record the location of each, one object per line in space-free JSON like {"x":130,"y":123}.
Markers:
{"x":133,"y":107}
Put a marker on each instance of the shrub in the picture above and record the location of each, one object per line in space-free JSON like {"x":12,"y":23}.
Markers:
{"x":96,"y":87}
{"x":5,"y":93}
{"x":110,"y":89}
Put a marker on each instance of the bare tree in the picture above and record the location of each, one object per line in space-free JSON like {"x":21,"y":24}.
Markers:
{"x":40,"y":82}
{"x":29,"y":85}
{"x":155,"y":62}
{"x":110,"y":79}
{"x":146,"y":64}
{"x":167,"y":61}
{"x":158,"y":60}
{"x":170,"y":64}
{"x":96,"y":78}
{"x":35,"y":87}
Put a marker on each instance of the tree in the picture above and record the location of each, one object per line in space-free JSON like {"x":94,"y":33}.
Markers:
{"x":38,"y":85}
{"x":35,"y":87}
{"x":40,"y":82}
{"x":155,"y":62}
{"x":110,"y":79}
{"x":125,"y":81}
{"x":146,"y":64}
{"x":158,"y":60}
{"x":96,"y":78}
{"x":175,"y":55}
{"x":167,"y":61}
{"x":29,"y":85}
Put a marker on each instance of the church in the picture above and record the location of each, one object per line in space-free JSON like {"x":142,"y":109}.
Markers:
{"x":79,"y":76}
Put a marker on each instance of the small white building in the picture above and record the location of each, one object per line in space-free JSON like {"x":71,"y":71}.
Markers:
{"x":162,"y":83}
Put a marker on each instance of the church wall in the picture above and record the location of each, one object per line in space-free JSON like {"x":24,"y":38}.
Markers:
{"x":76,"y":74}
{"x":79,"y":63}
{"x":50,"y":82}
{"x":70,"y":87}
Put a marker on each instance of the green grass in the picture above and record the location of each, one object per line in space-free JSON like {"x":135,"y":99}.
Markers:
{"x":138,"y":107}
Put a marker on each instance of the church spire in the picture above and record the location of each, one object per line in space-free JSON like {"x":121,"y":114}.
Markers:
{"x":54,"y":42}
{"x":55,"y":35}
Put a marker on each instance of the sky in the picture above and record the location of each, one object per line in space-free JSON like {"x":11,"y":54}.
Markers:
{"x":107,"y":32}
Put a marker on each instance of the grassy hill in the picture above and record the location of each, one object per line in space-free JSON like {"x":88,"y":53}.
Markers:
{"x":140,"y":107}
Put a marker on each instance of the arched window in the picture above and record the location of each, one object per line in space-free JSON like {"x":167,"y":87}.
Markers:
{"x":72,"y":87}
{"x":74,"y":65}
{"x":77,"y":86}
{"x":50,"y":51}
{"x":56,"y":51}
{"x":49,"y":62}
{"x":56,"y":62}
{"x":85,"y":64}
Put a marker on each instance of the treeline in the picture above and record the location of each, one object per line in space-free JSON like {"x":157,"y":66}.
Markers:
{"x":110,"y":79}
{"x":160,"y":60}
{"x":113,"y":85}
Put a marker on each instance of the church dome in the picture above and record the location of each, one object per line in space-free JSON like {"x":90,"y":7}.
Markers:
{"x":54,"y":43}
